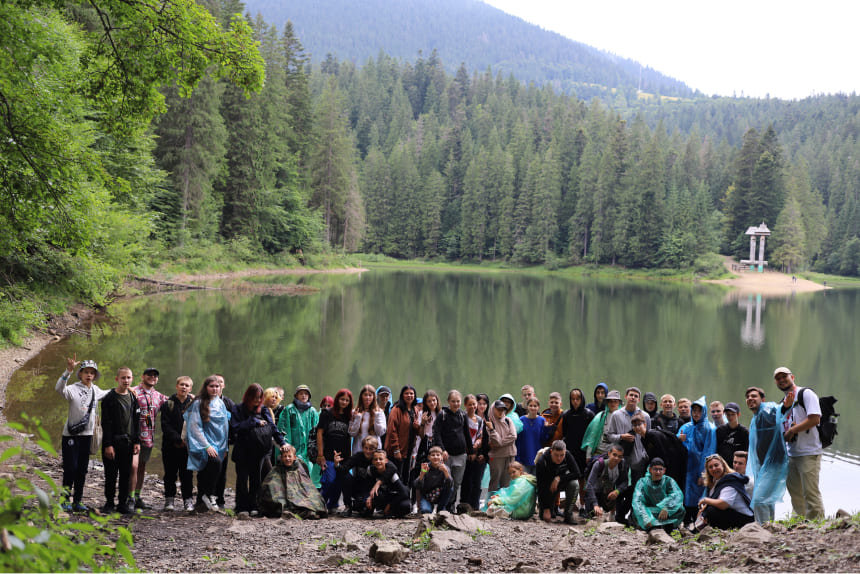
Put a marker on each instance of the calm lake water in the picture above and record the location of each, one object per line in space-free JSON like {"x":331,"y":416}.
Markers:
{"x":480,"y":332}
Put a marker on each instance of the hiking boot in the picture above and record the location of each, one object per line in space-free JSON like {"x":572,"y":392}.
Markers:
{"x":168,"y":504}
{"x":189,"y":504}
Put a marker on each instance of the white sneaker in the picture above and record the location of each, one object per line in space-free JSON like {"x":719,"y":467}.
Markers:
{"x":168,"y":504}
{"x":189,"y":504}
{"x":210,"y":503}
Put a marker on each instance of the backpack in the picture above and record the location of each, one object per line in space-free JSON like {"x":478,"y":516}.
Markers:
{"x":829,"y":417}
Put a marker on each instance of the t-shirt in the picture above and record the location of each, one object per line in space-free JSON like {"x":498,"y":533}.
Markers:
{"x":736,"y":502}
{"x":335,"y":433}
{"x":807,"y":442}
{"x":730,"y":440}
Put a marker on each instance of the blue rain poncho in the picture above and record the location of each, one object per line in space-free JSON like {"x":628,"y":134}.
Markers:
{"x":701,"y":442}
{"x":202,"y":435}
{"x":518,"y":498}
{"x":651,"y":497}
{"x":768,"y":458}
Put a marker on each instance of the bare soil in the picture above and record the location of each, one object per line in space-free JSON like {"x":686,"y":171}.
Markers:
{"x":768,"y":283}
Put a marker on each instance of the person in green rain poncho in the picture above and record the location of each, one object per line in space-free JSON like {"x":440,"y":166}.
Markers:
{"x":517,"y":500}
{"x":658,"y":500}
{"x":288,"y":491}
{"x":298,"y":422}
{"x":595,"y":441}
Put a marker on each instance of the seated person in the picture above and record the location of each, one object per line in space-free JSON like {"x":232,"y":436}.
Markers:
{"x":434,"y":484}
{"x":607,"y":483}
{"x":517,"y":500}
{"x":727,"y":504}
{"x":355,"y":477}
{"x":289,"y":491}
{"x":557,"y":471}
{"x":657,"y":500}
{"x":388,"y":494}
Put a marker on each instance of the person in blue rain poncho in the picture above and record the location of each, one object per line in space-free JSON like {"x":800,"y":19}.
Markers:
{"x":207,"y":423}
{"x":768,"y":457}
{"x":658,"y":500}
{"x":700,"y":437}
{"x":517,"y":500}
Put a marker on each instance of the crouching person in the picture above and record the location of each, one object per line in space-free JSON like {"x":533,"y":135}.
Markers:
{"x":727,"y":504}
{"x":434,"y":484}
{"x":388,"y":494}
{"x":355,"y":476}
{"x":658,"y":501}
{"x":607,"y":483}
{"x":517,"y":500}
{"x":288,"y":490}
{"x":557,"y":471}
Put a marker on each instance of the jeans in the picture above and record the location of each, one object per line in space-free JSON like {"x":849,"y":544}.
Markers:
{"x":426,"y":507}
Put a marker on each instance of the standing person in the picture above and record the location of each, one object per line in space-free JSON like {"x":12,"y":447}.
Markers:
{"x":221,"y":481}
{"x":557,"y":471}
{"x":727,"y":504}
{"x":684,"y":406}
{"x":599,"y":403}
{"x":78,"y":430}
{"x":800,"y":430}
{"x":718,"y":416}
{"x":552,"y":415}
{"x":402,"y":431}
{"x":663,"y":444}
{"x":700,"y":438}
{"x":768,"y":457}
{"x":620,"y":429}
{"x":732,"y":436}
{"x":255,"y":430}
{"x":368,"y":419}
{"x":149,"y":400}
{"x":383,"y":400}
{"x":476,"y":463}
{"x":120,"y":440}
{"x":649,"y":404}
{"x":207,"y":424}
{"x":327,"y":402}
{"x":666,"y":418}
{"x":508,"y":399}
{"x":522,"y":409}
{"x":174,"y":451}
{"x":430,"y":407}
{"x":452,"y":434}
{"x":272,"y":398}
{"x":503,"y":446}
{"x":333,"y":440}
{"x":298,"y":423}
{"x":596,"y":440}
{"x":658,"y":501}
{"x":571,"y":429}
{"x":535,"y":432}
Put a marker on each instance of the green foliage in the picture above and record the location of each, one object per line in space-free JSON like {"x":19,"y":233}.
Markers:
{"x":374,"y":534}
{"x":422,"y":542}
{"x":41,"y":536}
{"x":350,"y":560}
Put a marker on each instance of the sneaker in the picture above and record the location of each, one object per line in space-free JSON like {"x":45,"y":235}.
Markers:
{"x":570,"y":519}
{"x":189,"y":504}
{"x":108,"y":508}
{"x":210,"y":503}
{"x":125,"y":509}
{"x":168,"y":505}
{"x":67,"y":506}
{"x":244,"y":515}
{"x":140,"y":504}
{"x":254,"y":513}
{"x":345,"y":513}
{"x":79,"y":507}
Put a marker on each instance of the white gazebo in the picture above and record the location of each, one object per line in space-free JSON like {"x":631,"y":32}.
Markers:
{"x":755,"y":233}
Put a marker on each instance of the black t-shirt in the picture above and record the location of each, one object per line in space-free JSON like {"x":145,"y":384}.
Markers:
{"x":730,"y":440}
{"x":389,"y":477}
{"x":335,"y":433}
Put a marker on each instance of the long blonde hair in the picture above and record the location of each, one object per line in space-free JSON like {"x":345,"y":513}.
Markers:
{"x":709,"y":481}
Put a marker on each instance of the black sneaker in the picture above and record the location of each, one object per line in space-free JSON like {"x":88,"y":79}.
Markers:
{"x":124,"y":509}
{"x":108,"y":508}
{"x":140,"y":504}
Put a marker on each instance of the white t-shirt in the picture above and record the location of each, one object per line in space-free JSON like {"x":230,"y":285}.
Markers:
{"x":807,"y":443}
{"x":736,"y":502}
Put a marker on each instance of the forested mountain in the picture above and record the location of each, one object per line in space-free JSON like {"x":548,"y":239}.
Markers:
{"x":462,"y":31}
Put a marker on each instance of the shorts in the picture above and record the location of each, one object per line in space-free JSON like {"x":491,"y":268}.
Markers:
{"x":145,"y":453}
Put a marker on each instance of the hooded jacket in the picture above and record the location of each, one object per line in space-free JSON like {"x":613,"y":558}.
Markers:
{"x":593,"y":407}
{"x":503,"y":436}
{"x":452,"y":432}
{"x":572,"y":426}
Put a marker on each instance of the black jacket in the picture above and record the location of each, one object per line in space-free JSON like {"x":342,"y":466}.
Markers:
{"x":451,"y":432}
{"x":118,"y":421}
{"x":546,"y":471}
{"x":171,"y":421}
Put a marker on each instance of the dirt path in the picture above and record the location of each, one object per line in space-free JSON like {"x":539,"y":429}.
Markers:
{"x":767,"y":283}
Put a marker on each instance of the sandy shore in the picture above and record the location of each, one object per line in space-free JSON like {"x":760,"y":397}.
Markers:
{"x":767,"y":283}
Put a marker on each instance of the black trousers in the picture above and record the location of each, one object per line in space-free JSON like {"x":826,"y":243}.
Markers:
{"x":220,"y":482}
{"x":470,"y":490}
{"x":176,"y":463}
{"x":119,"y":465}
{"x":726,"y":519}
{"x":76,"y":460}
{"x":207,"y":478}
{"x":249,"y":477}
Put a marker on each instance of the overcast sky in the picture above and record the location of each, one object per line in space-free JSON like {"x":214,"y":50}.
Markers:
{"x":786,"y":49}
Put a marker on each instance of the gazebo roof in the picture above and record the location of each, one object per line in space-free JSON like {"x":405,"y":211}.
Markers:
{"x":760,"y":230}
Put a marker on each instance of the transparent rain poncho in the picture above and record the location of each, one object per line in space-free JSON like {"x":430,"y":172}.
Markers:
{"x":201,"y":436}
{"x":768,"y":458}
{"x":701,"y":442}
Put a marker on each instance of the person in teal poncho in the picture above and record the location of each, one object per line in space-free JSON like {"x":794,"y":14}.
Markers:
{"x":700,"y":438}
{"x":517,"y":500}
{"x":298,"y":422}
{"x":658,"y":500}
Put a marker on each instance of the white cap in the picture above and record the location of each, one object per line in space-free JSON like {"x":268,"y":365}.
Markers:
{"x":785,"y":370}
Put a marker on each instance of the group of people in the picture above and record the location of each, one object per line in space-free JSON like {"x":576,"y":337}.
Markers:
{"x":650,"y":467}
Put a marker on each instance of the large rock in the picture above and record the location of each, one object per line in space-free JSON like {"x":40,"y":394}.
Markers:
{"x":752,"y":533}
{"x":388,"y":552}
{"x":441,"y":540}
{"x":461,"y":522}
{"x":659,"y":536}
{"x":610,"y":527}
{"x":352,"y":540}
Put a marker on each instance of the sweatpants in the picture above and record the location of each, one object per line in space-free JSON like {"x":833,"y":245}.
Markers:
{"x":76,"y":460}
{"x":176,"y":463}
{"x":499,"y":477}
{"x":120,"y":464}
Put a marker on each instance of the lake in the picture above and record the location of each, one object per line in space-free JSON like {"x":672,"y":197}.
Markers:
{"x":479,"y":332}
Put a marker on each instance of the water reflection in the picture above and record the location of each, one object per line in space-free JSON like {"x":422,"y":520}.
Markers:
{"x":752,"y":334}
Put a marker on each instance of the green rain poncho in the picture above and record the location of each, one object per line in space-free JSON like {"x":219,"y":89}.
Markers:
{"x":289,"y":488}
{"x":297,"y":424}
{"x":651,"y":497}
{"x":519,"y":497}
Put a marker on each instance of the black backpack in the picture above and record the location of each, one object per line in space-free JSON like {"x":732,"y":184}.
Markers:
{"x":829,"y":417}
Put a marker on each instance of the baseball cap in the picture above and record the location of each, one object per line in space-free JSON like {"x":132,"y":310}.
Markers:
{"x":151,"y":371}
{"x":785,"y":370}
{"x":734,"y":407}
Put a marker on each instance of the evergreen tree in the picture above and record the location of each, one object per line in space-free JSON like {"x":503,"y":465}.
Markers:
{"x":789,"y":237}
